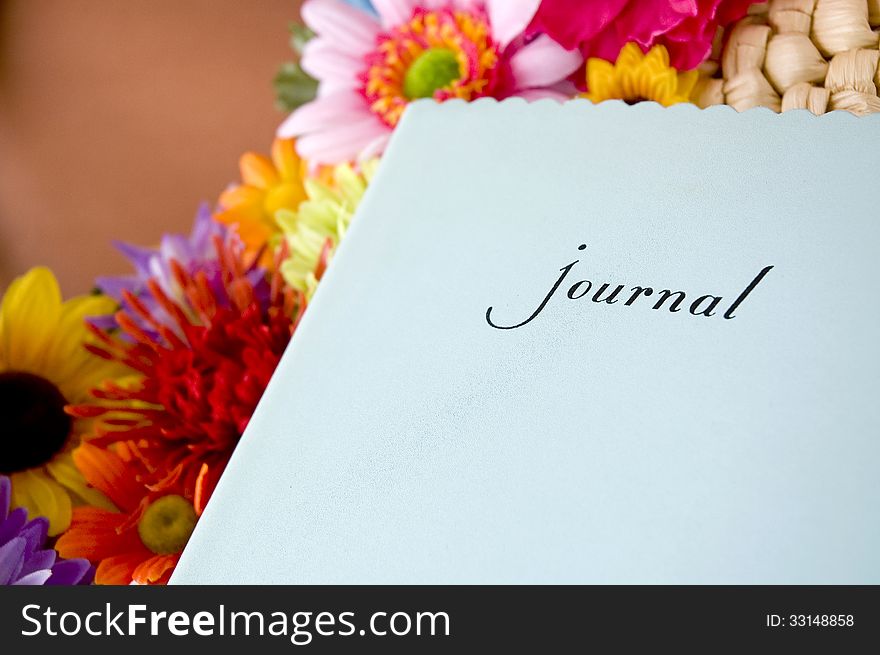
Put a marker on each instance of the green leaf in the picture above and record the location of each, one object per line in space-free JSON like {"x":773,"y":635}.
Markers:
{"x":299,"y":36}
{"x":293,"y":87}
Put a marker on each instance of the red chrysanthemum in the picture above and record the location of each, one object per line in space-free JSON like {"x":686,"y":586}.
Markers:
{"x":200,"y":383}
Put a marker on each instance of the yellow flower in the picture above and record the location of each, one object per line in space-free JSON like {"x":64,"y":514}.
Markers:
{"x":268,"y":184}
{"x":313,"y":231}
{"x":637,"y":77}
{"x":43,"y":367}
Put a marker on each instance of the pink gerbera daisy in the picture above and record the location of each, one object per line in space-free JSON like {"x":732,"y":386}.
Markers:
{"x":370,"y":67}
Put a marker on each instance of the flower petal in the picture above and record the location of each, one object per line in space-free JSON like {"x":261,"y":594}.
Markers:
{"x":34,"y":533}
{"x":156,"y":569}
{"x":117,"y":570}
{"x":464,"y":5}
{"x":11,"y":560}
{"x":324,"y":61}
{"x":42,"y":496}
{"x":328,"y":111}
{"x":510,"y":19}
{"x":94,"y":534}
{"x":286,"y":161}
{"x":343,"y":143}
{"x":374,"y":148}
{"x":70,"y":572}
{"x":10,"y":526}
{"x":68,"y":476}
{"x":34,"y":579}
{"x":543,"y":62}
{"x":642,"y":23}
{"x":572,"y":25}
{"x":107,"y":473}
{"x":5,"y":496}
{"x":75,"y":370}
{"x":42,"y":560}
{"x":256,"y":170}
{"x":395,"y":12}
{"x":345,"y":26}
{"x":242,"y":201}
{"x":28,"y":317}
{"x":139,"y":257}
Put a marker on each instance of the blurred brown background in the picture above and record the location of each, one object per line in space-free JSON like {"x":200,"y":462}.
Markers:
{"x":118,"y":116}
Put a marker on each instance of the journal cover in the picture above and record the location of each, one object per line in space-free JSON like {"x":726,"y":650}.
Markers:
{"x":611,"y":344}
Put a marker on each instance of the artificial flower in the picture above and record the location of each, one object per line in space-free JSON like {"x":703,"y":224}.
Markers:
{"x":24,"y":558}
{"x":637,"y":76}
{"x":44,"y":366}
{"x":601,"y":28}
{"x":267,"y":185}
{"x":138,"y":541}
{"x":198,"y":383}
{"x":370,"y":68}
{"x":195,"y":253}
{"x":314,"y":230}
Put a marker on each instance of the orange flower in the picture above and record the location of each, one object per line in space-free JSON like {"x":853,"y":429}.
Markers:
{"x":142,"y":541}
{"x":268,"y":184}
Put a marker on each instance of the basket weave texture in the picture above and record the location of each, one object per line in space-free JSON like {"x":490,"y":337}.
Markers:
{"x":819,"y":55}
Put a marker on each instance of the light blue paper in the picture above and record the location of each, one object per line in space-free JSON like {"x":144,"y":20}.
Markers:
{"x":405,"y":440}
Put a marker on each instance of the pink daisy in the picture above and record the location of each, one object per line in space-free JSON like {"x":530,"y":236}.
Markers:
{"x":370,"y":67}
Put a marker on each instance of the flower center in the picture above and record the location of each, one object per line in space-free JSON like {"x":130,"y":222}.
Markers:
{"x":439,"y":54}
{"x":32,"y":411}
{"x":166,"y":524}
{"x":432,"y":70}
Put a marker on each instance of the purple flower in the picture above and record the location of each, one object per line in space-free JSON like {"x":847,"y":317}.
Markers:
{"x":24,"y":560}
{"x":194,"y":253}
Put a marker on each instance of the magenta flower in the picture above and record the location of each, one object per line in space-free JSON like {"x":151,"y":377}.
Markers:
{"x":370,"y":67}
{"x":600,"y":28}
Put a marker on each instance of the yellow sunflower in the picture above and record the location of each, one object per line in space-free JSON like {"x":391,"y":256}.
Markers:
{"x":43,"y":367}
{"x":313,"y":231}
{"x":636,"y":77}
{"x":268,"y":184}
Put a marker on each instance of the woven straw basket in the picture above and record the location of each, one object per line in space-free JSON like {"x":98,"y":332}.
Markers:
{"x":819,"y":55}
